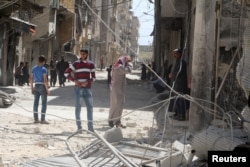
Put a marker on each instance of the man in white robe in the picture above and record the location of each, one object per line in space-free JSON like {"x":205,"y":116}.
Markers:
{"x":117,"y":89}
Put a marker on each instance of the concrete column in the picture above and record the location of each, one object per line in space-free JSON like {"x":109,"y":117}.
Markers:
{"x":200,"y":69}
{"x":157,"y":35}
{"x":4,"y":57}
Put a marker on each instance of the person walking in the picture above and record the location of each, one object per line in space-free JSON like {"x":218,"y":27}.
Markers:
{"x":109,"y":69}
{"x":179,"y":83}
{"x":40,"y":88}
{"x":101,"y":62}
{"x":19,"y":74}
{"x":143,"y":72}
{"x":61,"y":66}
{"x":117,"y":92}
{"x":26,"y":73}
{"x":83,"y":75}
{"x":53,"y":73}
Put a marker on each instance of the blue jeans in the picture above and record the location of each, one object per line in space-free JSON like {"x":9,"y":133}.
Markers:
{"x":86,"y":94}
{"x":40,"y":90}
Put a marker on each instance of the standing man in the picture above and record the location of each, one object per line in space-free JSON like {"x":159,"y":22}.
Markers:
{"x":179,"y":83}
{"x":117,"y":93}
{"x":41,"y":88}
{"x":19,"y":74}
{"x":102,"y":62}
{"x":61,"y":67}
{"x":26,"y":73}
{"x":53,"y":74}
{"x":83,"y":76}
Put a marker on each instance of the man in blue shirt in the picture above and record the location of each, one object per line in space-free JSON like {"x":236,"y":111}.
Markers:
{"x":40,"y":88}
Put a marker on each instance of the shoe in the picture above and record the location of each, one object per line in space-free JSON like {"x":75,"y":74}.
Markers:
{"x":36,"y":122}
{"x":111,"y":124}
{"x":121,"y":126}
{"x":44,"y":122}
{"x":79,"y":131}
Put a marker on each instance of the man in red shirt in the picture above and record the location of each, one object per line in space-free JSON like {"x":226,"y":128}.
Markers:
{"x":83,"y":74}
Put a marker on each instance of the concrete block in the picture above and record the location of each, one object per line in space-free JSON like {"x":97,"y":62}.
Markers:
{"x":113,"y":135}
{"x":131,"y":124}
{"x":37,"y":130}
{"x":175,"y":160}
{"x":1,"y":162}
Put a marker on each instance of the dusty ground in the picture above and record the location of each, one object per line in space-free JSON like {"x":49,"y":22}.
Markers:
{"x":22,"y":141}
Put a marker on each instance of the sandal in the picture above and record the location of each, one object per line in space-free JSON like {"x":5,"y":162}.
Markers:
{"x":121,"y":126}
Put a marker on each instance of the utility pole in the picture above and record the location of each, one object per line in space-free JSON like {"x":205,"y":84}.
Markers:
{"x":201,"y":73}
{"x":157,"y":35}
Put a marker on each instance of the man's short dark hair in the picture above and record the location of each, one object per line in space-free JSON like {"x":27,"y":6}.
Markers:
{"x":84,"y":50}
{"x":41,"y":59}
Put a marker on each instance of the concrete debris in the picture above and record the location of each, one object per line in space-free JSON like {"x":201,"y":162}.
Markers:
{"x":1,"y":162}
{"x":42,"y":143}
{"x":113,"y":135}
{"x":219,"y":123}
{"x":214,"y":138}
{"x":46,"y":143}
{"x":174,"y":160}
{"x":37,"y":130}
{"x":131,"y":124}
{"x":104,"y":152}
{"x":246,"y":124}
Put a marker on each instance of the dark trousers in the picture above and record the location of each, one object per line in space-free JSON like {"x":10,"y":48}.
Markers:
{"x":20,"y":79}
{"x":62,"y":79}
{"x":180,"y":107}
{"x":159,"y":88}
{"x":53,"y":78}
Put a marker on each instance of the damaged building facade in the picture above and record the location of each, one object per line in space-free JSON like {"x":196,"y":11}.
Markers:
{"x":58,"y":28}
{"x":213,"y":42}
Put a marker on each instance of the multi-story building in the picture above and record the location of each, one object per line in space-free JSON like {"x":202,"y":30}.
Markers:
{"x":60,"y":28}
{"x":15,"y":23}
{"x":134,"y":48}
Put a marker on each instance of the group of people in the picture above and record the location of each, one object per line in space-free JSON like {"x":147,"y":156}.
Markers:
{"x":82,"y":73}
{"x":176,"y":77}
{"x":58,"y":68}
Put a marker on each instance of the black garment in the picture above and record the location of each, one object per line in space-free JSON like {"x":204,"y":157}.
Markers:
{"x":149,"y":73}
{"x":20,"y":79}
{"x":61,"y":67}
{"x":26,"y":74}
{"x":181,"y":108}
{"x":179,"y":76}
{"x":158,"y":87}
{"x":109,"y":69}
{"x":143,"y":72}
{"x":53,"y":73}
{"x":179,"y":79}
{"x":19,"y":74}
{"x":167,"y":72}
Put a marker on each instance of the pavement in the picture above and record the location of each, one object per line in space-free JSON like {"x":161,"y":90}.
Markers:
{"x":22,"y":141}
{"x":61,"y":99}
{"x":138,"y":100}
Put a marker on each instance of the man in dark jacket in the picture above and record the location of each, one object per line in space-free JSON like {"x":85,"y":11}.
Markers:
{"x":178,"y":78}
{"x":61,"y":67}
